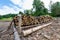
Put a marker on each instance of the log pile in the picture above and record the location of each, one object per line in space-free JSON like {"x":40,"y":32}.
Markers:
{"x":15,"y":20}
{"x":44,"y":19}
{"x":31,"y":20}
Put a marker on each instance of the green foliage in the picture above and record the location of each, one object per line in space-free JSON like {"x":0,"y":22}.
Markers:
{"x":0,"y":17}
{"x":21,"y":13}
{"x":55,"y":9}
{"x":39,"y":8}
{"x":7,"y":16}
{"x":27,"y":12}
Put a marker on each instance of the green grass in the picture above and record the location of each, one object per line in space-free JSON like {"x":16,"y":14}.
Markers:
{"x":6,"y":19}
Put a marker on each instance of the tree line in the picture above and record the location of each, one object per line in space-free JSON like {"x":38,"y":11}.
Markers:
{"x":39,"y":9}
{"x":7,"y":16}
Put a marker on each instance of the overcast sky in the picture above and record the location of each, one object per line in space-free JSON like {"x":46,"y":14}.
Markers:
{"x":14,"y":6}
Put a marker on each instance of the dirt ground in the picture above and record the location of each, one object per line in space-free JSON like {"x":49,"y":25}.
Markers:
{"x":4,"y":25}
{"x":51,"y":32}
{"x":5,"y":35}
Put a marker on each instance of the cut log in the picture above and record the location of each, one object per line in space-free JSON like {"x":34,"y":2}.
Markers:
{"x":29,"y":31}
{"x":31,"y":26}
{"x":16,"y":35}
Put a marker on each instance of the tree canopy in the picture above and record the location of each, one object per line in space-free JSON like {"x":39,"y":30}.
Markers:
{"x":39,"y":8}
{"x":55,"y":9}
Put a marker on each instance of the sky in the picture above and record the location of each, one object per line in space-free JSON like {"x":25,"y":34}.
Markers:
{"x":14,"y":6}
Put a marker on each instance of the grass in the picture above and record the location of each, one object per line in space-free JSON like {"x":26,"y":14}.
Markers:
{"x":6,"y":19}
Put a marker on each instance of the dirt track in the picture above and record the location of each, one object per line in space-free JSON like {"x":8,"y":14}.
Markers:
{"x":4,"y":25}
{"x":52,"y":32}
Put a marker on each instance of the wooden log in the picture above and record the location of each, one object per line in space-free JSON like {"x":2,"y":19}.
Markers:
{"x":31,"y":26}
{"x":17,"y":30}
{"x":20,"y":21}
{"x":29,"y":31}
{"x":16,"y":35}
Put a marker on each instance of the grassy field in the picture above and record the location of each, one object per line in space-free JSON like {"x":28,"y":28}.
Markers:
{"x":6,"y":19}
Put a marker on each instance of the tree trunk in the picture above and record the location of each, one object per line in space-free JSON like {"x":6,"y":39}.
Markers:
{"x":29,"y":31}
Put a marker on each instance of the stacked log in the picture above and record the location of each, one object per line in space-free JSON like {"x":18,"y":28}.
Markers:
{"x":31,"y":20}
{"x":44,"y":19}
{"x":15,"y":20}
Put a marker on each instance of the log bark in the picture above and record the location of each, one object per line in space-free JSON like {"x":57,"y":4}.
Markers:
{"x":31,"y":26}
{"x":17,"y":30}
{"x":16,"y":35}
{"x":19,"y":26}
{"x":29,"y":31}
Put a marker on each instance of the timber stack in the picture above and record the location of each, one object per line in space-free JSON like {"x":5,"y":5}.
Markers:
{"x":31,"y":20}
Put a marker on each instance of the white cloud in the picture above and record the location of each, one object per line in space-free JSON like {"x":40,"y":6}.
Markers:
{"x":47,"y":2}
{"x":7,"y":9}
{"x":55,"y":1}
{"x":2,"y":12}
{"x":17,"y":2}
{"x":26,"y":4}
